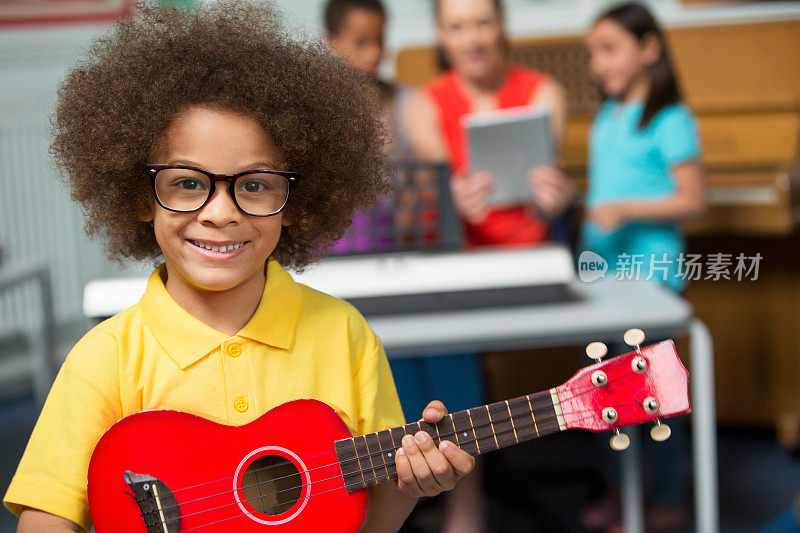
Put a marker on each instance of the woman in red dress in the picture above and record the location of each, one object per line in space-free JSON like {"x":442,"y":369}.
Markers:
{"x":482,"y":78}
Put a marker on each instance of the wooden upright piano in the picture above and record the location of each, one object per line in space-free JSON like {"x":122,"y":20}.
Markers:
{"x":743,"y":81}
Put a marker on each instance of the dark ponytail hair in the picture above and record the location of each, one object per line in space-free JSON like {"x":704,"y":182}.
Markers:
{"x":664,"y":91}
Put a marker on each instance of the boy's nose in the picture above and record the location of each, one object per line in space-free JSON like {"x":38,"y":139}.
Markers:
{"x":220,"y":209}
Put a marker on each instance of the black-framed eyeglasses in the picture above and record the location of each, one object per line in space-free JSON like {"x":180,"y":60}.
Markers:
{"x":184,"y":189}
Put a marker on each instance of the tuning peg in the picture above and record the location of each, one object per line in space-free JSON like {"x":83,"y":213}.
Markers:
{"x":634,"y":337}
{"x":639,"y":364}
{"x":650,"y":405}
{"x":599,"y":378}
{"x":609,"y":415}
{"x":596,"y":351}
{"x":619,"y":441}
{"x":660,"y":432}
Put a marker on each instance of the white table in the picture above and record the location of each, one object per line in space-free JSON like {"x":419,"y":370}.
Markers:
{"x":599,"y":311}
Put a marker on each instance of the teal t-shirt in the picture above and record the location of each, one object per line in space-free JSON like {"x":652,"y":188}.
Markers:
{"x":626,"y":163}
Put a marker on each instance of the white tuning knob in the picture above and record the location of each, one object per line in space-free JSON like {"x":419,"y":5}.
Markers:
{"x":650,"y":405}
{"x":619,"y":441}
{"x":599,"y":378}
{"x":633,"y":337}
{"x":660,"y":432}
{"x":596,"y":351}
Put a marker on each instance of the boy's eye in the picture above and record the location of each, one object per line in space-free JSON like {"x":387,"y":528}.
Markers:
{"x":189,"y":184}
{"x":252,"y":186}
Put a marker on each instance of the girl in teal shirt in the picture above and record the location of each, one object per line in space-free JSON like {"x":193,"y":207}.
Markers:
{"x":644,"y":171}
{"x":645,"y":178}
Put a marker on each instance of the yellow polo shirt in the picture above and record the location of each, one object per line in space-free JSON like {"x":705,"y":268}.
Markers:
{"x":300,"y":343}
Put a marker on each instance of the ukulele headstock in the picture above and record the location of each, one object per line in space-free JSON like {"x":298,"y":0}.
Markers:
{"x":644,"y":385}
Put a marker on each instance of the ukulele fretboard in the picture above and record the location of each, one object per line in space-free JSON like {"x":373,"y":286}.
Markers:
{"x":368,"y":460}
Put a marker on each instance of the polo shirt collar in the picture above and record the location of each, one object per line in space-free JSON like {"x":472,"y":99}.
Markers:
{"x":186,"y":339}
{"x":275,"y":321}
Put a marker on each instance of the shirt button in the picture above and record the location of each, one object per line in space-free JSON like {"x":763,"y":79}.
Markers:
{"x":240,"y":404}
{"x":234,"y":350}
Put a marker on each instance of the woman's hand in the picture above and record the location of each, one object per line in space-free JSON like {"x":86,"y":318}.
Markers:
{"x":553,"y":191}
{"x":425,"y":470}
{"x":609,"y":217}
{"x":471,"y":195}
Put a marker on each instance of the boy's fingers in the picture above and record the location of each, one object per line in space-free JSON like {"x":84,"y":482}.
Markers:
{"x":405,"y":475}
{"x":461,"y":461}
{"x":419,"y":467}
{"x":434,"y":411}
{"x":438,"y":464}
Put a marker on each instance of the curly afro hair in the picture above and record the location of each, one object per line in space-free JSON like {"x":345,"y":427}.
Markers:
{"x":115,"y":106}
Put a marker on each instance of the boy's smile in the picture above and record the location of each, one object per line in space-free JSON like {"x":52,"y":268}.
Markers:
{"x":218,"y":249}
{"x":221,"y":250}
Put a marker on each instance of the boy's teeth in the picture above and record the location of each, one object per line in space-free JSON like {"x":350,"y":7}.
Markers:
{"x":223,"y":248}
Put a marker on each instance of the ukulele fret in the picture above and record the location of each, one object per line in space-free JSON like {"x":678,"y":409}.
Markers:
{"x":533,"y":417}
{"x":397,"y":437}
{"x":349,"y":465}
{"x":522,"y":419}
{"x":474,"y":434}
{"x":462,"y":425}
{"x":431,"y":430}
{"x":365,"y":461}
{"x":482,"y":425}
{"x":379,"y":469}
{"x":387,"y":448}
{"x":412,"y":428}
{"x":452,"y":423}
{"x":511,"y":418}
{"x":501,"y":424}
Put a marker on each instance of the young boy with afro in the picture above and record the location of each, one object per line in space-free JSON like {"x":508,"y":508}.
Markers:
{"x":211,"y":140}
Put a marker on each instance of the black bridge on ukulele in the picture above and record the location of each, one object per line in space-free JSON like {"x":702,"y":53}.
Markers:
{"x":158,"y":506}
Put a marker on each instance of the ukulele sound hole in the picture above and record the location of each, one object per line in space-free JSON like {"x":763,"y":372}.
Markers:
{"x":272,"y":484}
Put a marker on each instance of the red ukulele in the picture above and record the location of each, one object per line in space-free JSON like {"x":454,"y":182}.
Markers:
{"x":298,"y":468}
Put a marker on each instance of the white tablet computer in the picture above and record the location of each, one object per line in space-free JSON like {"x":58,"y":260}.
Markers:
{"x":508,"y":143}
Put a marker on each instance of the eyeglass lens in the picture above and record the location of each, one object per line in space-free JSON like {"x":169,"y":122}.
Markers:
{"x":257,"y":193}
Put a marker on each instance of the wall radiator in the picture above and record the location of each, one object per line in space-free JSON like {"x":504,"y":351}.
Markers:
{"x":39,"y":222}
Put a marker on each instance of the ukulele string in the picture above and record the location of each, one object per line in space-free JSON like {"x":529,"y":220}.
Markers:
{"x":241,"y":515}
{"x":338,"y":476}
{"x":260,"y":469}
{"x":291,"y":488}
{"x":583,"y":390}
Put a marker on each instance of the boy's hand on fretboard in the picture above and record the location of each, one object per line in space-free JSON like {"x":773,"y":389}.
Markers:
{"x":423,"y":469}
